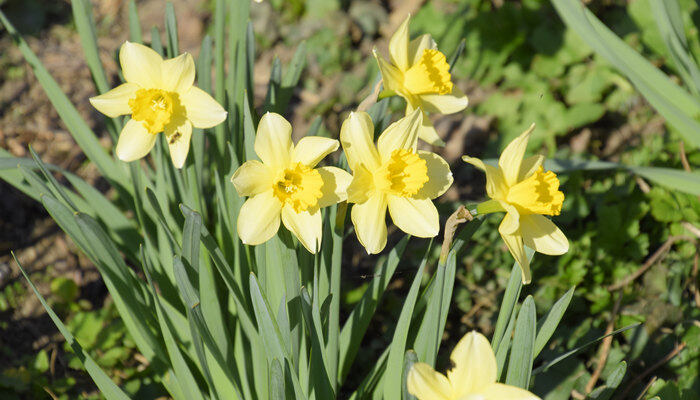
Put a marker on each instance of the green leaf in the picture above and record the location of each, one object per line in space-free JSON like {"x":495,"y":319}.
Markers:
{"x":410,"y":359}
{"x":319,"y":364}
{"x":173,"y":48}
{"x":510,"y":298}
{"x":134,"y":23}
{"x":547,"y":325}
{"x":107,"y":388}
{"x":277,"y":391}
{"x":522,"y":351}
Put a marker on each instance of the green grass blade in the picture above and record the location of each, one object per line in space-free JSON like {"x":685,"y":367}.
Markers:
{"x":522,"y":351}
{"x":267,"y":326}
{"x":273,"y":87}
{"x":356,"y":325}
{"x":613,"y":380}
{"x":248,"y":132}
{"x":107,"y":388}
{"x":156,"y":43}
{"x":409,"y":359}
{"x":173,"y":47}
{"x":547,"y":325}
{"x":504,"y":345}
{"x":277,"y":391}
{"x":510,"y":298}
{"x":135,"y":34}
{"x":457,"y":53}
{"x":82,"y":14}
{"x":321,"y":381}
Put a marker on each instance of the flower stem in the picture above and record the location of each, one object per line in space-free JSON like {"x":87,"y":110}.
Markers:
{"x":489,"y":206}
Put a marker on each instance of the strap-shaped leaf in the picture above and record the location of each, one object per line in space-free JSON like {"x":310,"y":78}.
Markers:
{"x":522,"y":351}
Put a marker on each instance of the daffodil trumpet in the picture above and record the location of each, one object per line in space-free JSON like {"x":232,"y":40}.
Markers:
{"x":473,"y":375}
{"x":286,"y":186}
{"x":521,"y":188}
{"x":420,"y":74}
{"x":160,"y":96}
{"x":391,"y":175}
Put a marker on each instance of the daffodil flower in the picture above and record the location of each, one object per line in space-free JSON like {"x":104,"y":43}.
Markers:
{"x":473,"y":376}
{"x":419,"y":73}
{"x":520,"y":187}
{"x":284,"y":185}
{"x":160,"y":97}
{"x":392,"y":175}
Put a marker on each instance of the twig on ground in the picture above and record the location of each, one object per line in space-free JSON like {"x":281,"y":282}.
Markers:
{"x":577,"y":395}
{"x":684,"y":158}
{"x":691,"y":228}
{"x":649,"y":262}
{"x":604,"y":349}
{"x":677,"y":349}
{"x":371,"y":98}
{"x":646,"y":388}
{"x":643,"y":185}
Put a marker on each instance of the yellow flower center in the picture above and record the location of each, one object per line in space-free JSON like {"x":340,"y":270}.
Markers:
{"x":430,"y":75}
{"x":403,"y":175}
{"x":299,"y":186}
{"x":538,"y":194}
{"x":156,"y":108}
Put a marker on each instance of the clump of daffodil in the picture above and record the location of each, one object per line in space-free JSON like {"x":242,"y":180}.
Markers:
{"x":520,"y":187}
{"x":473,"y":376}
{"x":160,"y":97}
{"x":285,"y":185}
{"x":392,"y":175}
{"x":420,"y":74}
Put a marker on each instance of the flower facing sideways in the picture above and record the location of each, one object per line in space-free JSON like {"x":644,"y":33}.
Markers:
{"x":284,"y":185}
{"x":473,"y":376}
{"x":392,"y":175}
{"x":419,"y":73}
{"x":520,"y":187}
{"x":160,"y":97}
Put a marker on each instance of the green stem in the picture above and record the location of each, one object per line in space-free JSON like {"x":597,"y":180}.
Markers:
{"x":489,"y":206}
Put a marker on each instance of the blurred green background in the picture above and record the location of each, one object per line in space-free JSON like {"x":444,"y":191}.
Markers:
{"x":520,"y":65}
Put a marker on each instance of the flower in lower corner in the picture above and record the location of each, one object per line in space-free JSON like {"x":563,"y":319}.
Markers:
{"x":420,"y":74}
{"x":160,"y":96}
{"x":472,"y":377}
{"x":285,"y":185}
{"x":392,"y":175}
{"x":521,"y":188}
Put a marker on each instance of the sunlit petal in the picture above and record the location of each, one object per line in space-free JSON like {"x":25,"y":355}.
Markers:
{"x":361,"y":186}
{"x":428,"y":134}
{"x":516,"y":248}
{"x":356,"y":135}
{"x":115,"y":102}
{"x":540,"y":234}
{"x":259,"y":218}
{"x":499,"y":391}
{"x":202,"y":110}
{"x":495,"y":183}
{"x":418,"y":45}
{"x":335,"y":185}
{"x":179,"y":143}
{"x":311,"y":149}
{"x":251,"y":178}
{"x":512,"y":157}
{"x":474,"y":365}
{"x":305,"y":225}
{"x":398,"y":46}
{"x":273,"y":141}
{"x":445,"y":103}
{"x":439,"y":176}
{"x":141,"y":65}
{"x":402,"y":134}
{"x":529,"y":166}
{"x":427,"y":384}
{"x":392,"y":78}
{"x":178,"y":73}
{"x":414,"y":216}
{"x":134,"y":141}
{"x":511,"y":221}
{"x":369,"y":219}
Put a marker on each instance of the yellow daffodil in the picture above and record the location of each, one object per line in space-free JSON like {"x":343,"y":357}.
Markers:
{"x":520,"y":187}
{"x":419,"y":73}
{"x":392,"y":175}
{"x":473,"y":376}
{"x":285,"y":185}
{"x":160,"y":97}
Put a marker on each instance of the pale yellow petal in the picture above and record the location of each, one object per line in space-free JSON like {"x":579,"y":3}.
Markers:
{"x":273,"y":141}
{"x":511,"y":221}
{"x":402,"y":134}
{"x":439,"y":176}
{"x":529,"y":166}
{"x":115,"y":102}
{"x":392,"y":78}
{"x":414,"y":216}
{"x":499,"y":391}
{"x":512,"y":157}
{"x":495,"y":183}
{"x":259,"y":218}
{"x":356,"y":135}
{"x":179,"y":143}
{"x":417,"y":46}
{"x":335,"y":185}
{"x":361,"y":186}
{"x":369,"y":219}
{"x":134,"y":141}
{"x":427,"y":384}
{"x":445,"y":103}
{"x":398,"y":45}
{"x":141,"y":65}
{"x":202,"y":110}
{"x":474,"y":365}
{"x":178,"y":73}
{"x":311,"y":149}
{"x":306,"y":226}
{"x":251,"y":178}
{"x":428,"y":134}
{"x":516,"y":248}
{"x":540,"y":234}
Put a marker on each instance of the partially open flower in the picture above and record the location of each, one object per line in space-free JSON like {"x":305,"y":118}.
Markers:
{"x":160,"y":97}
